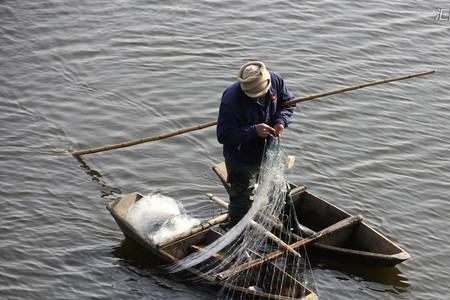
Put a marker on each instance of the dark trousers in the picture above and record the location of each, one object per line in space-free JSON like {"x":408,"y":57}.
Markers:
{"x":242,"y":179}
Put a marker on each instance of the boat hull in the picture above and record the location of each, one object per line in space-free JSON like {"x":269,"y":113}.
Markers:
{"x":182,"y":245}
{"x":360,"y":244}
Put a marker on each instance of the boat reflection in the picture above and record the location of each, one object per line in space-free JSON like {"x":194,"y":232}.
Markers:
{"x":380,"y":279}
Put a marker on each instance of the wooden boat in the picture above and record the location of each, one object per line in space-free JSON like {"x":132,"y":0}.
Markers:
{"x":194,"y":240}
{"x":359,"y":244}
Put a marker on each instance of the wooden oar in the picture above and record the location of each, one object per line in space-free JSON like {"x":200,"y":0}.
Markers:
{"x":264,"y":231}
{"x":212,"y":123}
{"x":217,"y":220}
{"x":220,"y":257}
{"x":224,"y":204}
{"x":321,"y":234}
{"x":276,"y":224}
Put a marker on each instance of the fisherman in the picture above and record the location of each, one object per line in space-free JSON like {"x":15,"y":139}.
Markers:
{"x":251,"y":111}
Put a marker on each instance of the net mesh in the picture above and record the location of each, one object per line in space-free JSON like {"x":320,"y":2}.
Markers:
{"x":257,"y":234}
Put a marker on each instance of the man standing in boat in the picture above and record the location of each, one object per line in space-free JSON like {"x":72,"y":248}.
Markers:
{"x":250,"y":111}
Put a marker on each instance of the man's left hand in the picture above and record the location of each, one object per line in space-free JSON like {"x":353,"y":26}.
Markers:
{"x":278,"y":129}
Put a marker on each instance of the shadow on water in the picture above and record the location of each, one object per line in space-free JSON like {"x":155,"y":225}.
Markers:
{"x":106,"y":190}
{"x":131,"y":253}
{"x":381,"y":279}
{"x":144,"y":263}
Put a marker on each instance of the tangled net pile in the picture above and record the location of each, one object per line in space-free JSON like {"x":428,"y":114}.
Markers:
{"x":247,"y":241}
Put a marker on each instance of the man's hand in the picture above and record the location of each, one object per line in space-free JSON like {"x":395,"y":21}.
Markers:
{"x":264,"y":130}
{"x":278,"y":129}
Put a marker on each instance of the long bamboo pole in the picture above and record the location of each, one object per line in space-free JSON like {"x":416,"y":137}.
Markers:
{"x":355,"y":87}
{"x":142,"y":140}
{"x":212,"y":123}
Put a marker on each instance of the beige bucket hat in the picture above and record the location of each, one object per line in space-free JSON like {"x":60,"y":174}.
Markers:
{"x":254,"y":79}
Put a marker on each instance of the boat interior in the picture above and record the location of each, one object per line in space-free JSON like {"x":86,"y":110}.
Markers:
{"x":318,"y":214}
{"x":257,"y":282}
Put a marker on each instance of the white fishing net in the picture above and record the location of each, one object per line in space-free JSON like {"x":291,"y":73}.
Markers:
{"x":160,"y":218}
{"x":248,"y":241}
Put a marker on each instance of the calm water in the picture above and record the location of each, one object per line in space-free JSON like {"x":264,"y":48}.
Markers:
{"x":77,"y":74}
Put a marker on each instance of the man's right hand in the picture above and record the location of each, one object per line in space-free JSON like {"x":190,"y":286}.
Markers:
{"x":263,"y":130}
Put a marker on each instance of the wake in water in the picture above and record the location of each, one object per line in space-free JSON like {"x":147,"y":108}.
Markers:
{"x":159,"y":217}
{"x":248,"y":240}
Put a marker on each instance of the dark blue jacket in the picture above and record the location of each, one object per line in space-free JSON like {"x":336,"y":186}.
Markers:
{"x":238,"y":115}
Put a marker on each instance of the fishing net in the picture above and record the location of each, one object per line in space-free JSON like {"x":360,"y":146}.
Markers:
{"x":159,"y":218}
{"x":259,"y":233}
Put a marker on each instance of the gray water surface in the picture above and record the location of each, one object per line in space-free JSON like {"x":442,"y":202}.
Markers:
{"x":79,"y":74}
